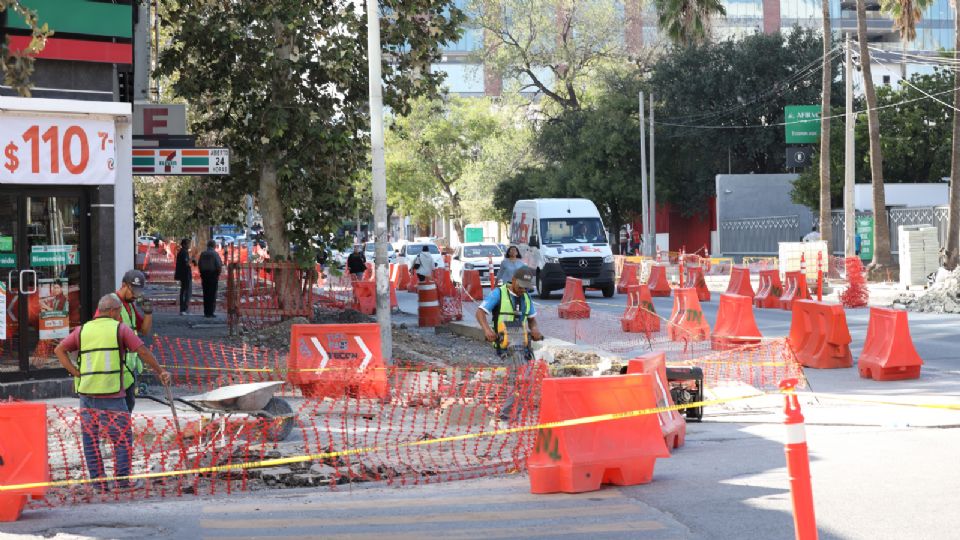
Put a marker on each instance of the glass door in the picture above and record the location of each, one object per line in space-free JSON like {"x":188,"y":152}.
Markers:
{"x":51,"y":276}
{"x":9,"y":283}
{"x":43,"y":251}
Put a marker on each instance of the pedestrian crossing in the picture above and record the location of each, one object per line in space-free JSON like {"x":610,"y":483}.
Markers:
{"x":495,"y":510}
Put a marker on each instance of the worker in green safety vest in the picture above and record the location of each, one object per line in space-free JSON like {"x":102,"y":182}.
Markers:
{"x":101,"y":378}
{"x":514,"y":317}
{"x":136,"y":311}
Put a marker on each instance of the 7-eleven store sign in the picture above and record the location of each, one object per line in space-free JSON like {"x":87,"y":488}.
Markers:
{"x":181,"y":161}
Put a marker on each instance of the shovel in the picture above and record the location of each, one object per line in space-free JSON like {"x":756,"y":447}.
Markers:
{"x":173,"y":408}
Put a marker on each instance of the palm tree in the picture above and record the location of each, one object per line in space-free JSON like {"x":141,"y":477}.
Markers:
{"x":687,"y":22}
{"x":881,"y":227}
{"x":826,"y":229}
{"x":953,"y":222}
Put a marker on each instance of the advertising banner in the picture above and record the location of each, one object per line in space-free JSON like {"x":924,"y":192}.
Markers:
{"x":54,"y":308}
{"x":55,"y":150}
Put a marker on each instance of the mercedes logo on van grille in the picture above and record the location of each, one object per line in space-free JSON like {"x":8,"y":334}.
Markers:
{"x":583,"y":263}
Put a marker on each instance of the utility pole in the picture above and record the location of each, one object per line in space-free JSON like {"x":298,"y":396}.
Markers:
{"x":644,"y":200}
{"x":652,"y":244}
{"x":141,"y":52}
{"x":379,"y":181}
{"x":848,"y":160}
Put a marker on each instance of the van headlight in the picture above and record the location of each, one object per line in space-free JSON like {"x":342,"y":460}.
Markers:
{"x":552,"y":260}
{"x":608,"y":259}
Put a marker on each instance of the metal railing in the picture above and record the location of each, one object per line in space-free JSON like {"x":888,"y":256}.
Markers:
{"x":758,"y":236}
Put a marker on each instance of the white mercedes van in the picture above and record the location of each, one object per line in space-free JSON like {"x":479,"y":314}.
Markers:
{"x":560,"y":238}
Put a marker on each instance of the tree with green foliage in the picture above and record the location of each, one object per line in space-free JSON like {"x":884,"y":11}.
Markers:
{"x":551,"y":47}
{"x":283,"y":84}
{"x":687,"y":22}
{"x":446,"y":156}
{"x":17,"y":66}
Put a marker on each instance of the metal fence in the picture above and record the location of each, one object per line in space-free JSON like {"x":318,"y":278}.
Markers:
{"x":761,"y":235}
{"x":758,"y":236}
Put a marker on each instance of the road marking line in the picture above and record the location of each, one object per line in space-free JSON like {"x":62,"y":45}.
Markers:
{"x":608,"y":494}
{"x":413,"y":519}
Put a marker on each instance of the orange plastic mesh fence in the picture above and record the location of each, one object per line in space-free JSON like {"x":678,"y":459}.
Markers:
{"x":259,"y":294}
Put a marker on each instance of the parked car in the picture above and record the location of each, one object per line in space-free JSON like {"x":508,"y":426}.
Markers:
{"x":369,"y":251}
{"x":475,"y":256}
{"x":223,"y":239}
{"x":146,"y":240}
{"x":409,"y":252}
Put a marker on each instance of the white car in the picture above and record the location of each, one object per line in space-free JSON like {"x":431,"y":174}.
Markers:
{"x":223,"y":239}
{"x":146,"y":240}
{"x":369,"y":251}
{"x":476,"y":256}
{"x":409,"y":252}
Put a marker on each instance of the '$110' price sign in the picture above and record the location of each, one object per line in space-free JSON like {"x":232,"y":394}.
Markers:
{"x":57,"y":150}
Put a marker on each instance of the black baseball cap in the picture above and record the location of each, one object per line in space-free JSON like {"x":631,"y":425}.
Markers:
{"x":524,"y":276}
{"x":136,"y":280}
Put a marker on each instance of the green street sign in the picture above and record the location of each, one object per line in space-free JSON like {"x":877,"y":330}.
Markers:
{"x":864,"y":229}
{"x":8,"y":260}
{"x":473,"y":234}
{"x":802,"y":123}
{"x":6,"y":243}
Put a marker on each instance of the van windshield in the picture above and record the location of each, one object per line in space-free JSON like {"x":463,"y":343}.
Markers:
{"x":415,"y":249}
{"x":572,"y":231}
{"x":482,"y":251}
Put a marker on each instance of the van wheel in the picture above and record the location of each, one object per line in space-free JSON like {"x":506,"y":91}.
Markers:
{"x":608,"y":290}
{"x":542,"y":292}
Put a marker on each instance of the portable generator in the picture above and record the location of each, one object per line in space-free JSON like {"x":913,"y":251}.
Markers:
{"x":686,"y":386}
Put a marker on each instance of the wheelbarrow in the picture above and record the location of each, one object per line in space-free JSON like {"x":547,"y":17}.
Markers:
{"x":249,"y":399}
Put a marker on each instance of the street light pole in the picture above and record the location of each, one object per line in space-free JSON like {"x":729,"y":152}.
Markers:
{"x":379,"y":180}
{"x":652,"y":245}
{"x":644,"y":210}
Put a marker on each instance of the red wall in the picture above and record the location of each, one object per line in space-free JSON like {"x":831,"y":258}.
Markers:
{"x":691,"y":233}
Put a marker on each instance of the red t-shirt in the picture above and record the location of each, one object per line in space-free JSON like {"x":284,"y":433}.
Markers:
{"x":129,"y":308}
{"x":129,"y":341}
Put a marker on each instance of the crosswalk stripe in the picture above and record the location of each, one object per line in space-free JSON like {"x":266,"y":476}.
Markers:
{"x":403,"y":503}
{"x":541,"y":531}
{"x":413,"y":519}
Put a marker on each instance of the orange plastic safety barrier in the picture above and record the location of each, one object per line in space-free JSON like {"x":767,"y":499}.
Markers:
{"x":769,"y":290}
{"x":574,"y":304}
{"x":640,"y":315}
{"x":332,"y":360}
{"x":888,"y":352}
{"x":472,"y":289}
{"x":444,"y":284}
{"x":365,"y":297}
{"x":428,"y":304}
{"x":672,"y":424}
{"x":687,"y":322}
{"x":628,"y":277}
{"x":403,"y":277}
{"x":795,"y":289}
{"x":740,"y":282}
{"x":369,"y":274}
{"x":694,"y":278}
{"x":23,"y":454}
{"x":735,"y":325}
{"x":574,"y":459}
{"x":819,"y":335}
{"x":658,"y":283}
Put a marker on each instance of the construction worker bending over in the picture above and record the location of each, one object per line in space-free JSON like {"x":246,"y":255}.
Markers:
{"x":513,"y":316}
{"x":101,"y":378}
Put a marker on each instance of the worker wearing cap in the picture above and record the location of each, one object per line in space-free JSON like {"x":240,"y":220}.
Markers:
{"x":136,"y":311}
{"x":512,"y":309}
{"x":101,"y":378}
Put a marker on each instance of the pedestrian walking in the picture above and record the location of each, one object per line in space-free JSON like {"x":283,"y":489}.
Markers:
{"x":357,"y":263}
{"x":210,"y":265}
{"x":101,"y":382}
{"x":514,"y":327}
{"x":424,"y":264}
{"x":510,"y":263}
{"x":184,"y":274}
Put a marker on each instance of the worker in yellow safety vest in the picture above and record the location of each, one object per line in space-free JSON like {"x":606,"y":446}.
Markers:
{"x":101,"y":378}
{"x":136,"y":311}
{"x":514,"y":315}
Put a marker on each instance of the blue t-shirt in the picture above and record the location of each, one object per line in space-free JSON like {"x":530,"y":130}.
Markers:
{"x":493,"y":300}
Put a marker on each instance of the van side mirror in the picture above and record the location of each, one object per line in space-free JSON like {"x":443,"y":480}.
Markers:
{"x":533,"y":242}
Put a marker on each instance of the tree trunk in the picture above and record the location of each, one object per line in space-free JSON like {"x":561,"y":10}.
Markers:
{"x":953,"y":221}
{"x":458,"y":226}
{"x":881,"y":227}
{"x":826,"y":229}
{"x":274,"y":224}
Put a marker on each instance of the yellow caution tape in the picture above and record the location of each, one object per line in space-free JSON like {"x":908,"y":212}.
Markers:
{"x":276,"y":462}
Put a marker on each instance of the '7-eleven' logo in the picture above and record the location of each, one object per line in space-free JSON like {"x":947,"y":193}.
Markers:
{"x":169,"y":160}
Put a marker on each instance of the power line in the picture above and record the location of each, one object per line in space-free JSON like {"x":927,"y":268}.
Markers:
{"x":778,"y":124}
{"x":915,"y":87}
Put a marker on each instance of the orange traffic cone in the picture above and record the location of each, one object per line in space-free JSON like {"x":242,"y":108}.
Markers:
{"x":798,"y":465}
{"x":428,"y":304}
